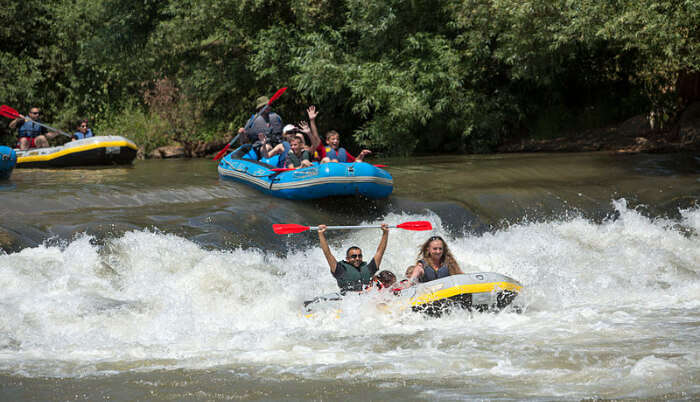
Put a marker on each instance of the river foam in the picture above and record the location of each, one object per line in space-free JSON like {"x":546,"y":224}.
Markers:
{"x":610,"y":309}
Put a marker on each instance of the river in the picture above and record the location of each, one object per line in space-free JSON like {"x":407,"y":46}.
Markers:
{"x":160,"y":281}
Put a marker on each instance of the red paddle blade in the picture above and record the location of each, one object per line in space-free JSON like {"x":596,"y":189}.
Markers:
{"x":223,"y":151}
{"x":416,"y":225}
{"x":283,"y":169}
{"x":289,"y":228}
{"x":8,"y":112}
{"x":381,"y":166}
{"x":276,"y":95}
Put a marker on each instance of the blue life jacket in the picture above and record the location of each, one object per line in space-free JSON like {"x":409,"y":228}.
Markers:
{"x":79,"y":136}
{"x":341,"y":155}
{"x":31,"y":129}
{"x":429,"y":274}
{"x":282,"y":162}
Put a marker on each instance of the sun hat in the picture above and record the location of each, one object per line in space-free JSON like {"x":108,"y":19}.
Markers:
{"x":288,"y":127}
{"x":261,"y":101}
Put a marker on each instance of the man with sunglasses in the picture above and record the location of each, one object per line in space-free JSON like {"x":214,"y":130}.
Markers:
{"x":353,"y":273}
{"x":31,"y":134}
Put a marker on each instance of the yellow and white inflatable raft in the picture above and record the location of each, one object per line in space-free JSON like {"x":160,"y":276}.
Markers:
{"x":93,"y":151}
{"x":479,"y":291}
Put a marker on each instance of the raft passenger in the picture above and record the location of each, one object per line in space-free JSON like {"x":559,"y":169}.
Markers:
{"x":30,"y":134}
{"x":334,"y":153}
{"x":297,"y":156}
{"x":268,"y":123}
{"x":83,"y":131}
{"x":434,"y":261}
{"x":353,"y":273}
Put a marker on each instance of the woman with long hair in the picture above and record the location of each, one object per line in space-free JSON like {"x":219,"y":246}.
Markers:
{"x":434,"y":261}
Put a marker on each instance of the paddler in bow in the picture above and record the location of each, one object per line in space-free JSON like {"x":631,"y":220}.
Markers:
{"x":353,"y":273}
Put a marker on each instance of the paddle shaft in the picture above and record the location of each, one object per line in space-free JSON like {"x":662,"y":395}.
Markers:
{"x":50,"y":128}
{"x":350,"y":227}
{"x":17,"y":115}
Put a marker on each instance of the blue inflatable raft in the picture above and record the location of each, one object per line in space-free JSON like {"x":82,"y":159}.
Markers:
{"x":8,"y":159}
{"x":317,"y":181}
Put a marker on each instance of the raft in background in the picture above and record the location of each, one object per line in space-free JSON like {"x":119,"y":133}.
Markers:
{"x":93,"y":151}
{"x":317,"y":181}
{"x":479,"y":291}
{"x":8,"y":159}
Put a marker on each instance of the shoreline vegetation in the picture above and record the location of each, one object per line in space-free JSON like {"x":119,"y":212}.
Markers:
{"x":400,"y":78}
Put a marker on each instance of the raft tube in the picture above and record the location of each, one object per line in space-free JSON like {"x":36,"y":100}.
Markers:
{"x":93,"y":151}
{"x":476,"y":291}
{"x":8,"y":159}
{"x":317,"y":181}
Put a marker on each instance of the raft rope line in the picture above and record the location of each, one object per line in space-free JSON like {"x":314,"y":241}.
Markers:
{"x":245,"y":170}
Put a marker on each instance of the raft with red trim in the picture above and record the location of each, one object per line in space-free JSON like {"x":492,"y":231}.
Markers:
{"x":479,"y":291}
{"x":93,"y":151}
{"x":316,"y":181}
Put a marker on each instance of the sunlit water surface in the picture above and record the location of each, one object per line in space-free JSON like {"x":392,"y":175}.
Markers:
{"x":162,"y":282}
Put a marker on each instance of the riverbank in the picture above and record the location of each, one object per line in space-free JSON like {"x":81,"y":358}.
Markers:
{"x":631,"y":136}
{"x":634,"y":135}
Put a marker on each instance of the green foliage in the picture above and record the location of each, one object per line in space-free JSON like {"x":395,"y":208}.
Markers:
{"x":147,"y":130}
{"x":393,"y":75}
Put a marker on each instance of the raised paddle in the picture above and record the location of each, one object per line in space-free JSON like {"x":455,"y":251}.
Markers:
{"x":250,"y":122}
{"x":290,"y":228}
{"x":13,"y":114}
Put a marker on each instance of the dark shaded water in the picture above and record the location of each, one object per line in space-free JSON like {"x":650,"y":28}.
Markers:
{"x":469,"y":193}
{"x":161,"y":281}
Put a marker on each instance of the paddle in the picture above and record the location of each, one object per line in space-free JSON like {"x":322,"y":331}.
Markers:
{"x":13,"y":114}
{"x":294,"y":228}
{"x":250,"y":122}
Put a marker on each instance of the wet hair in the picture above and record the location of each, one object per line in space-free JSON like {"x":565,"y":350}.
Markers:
{"x":387,"y":278}
{"x":332,"y":132}
{"x":409,"y":271}
{"x":446,"y":258}
{"x":81,"y":121}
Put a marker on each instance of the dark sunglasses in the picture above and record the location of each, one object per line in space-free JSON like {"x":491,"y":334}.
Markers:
{"x":436,"y":238}
{"x":352,"y":256}
{"x":34,"y":112}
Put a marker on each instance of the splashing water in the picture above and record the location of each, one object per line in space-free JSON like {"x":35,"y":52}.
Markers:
{"x":611,"y":310}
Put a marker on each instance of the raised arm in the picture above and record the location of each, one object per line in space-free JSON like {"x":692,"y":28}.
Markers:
{"x":361,"y":156}
{"x":314,"y":137}
{"x":382,"y":245}
{"x":263,"y":149}
{"x":332,"y":262}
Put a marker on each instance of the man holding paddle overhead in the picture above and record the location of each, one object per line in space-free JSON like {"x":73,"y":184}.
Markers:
{"x":31,"y":132}
{"x":353,"y":273}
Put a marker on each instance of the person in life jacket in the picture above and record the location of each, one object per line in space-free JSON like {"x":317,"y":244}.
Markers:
{"x":434,"y":261}
{"x":334,"y":153}
{"x":297,"y":155}
{"x":352,"y":274}
{"x":282,"y":149}
{"x":83,"y":131}
{"x":30,"y":134}
{"x":268,"y":122}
